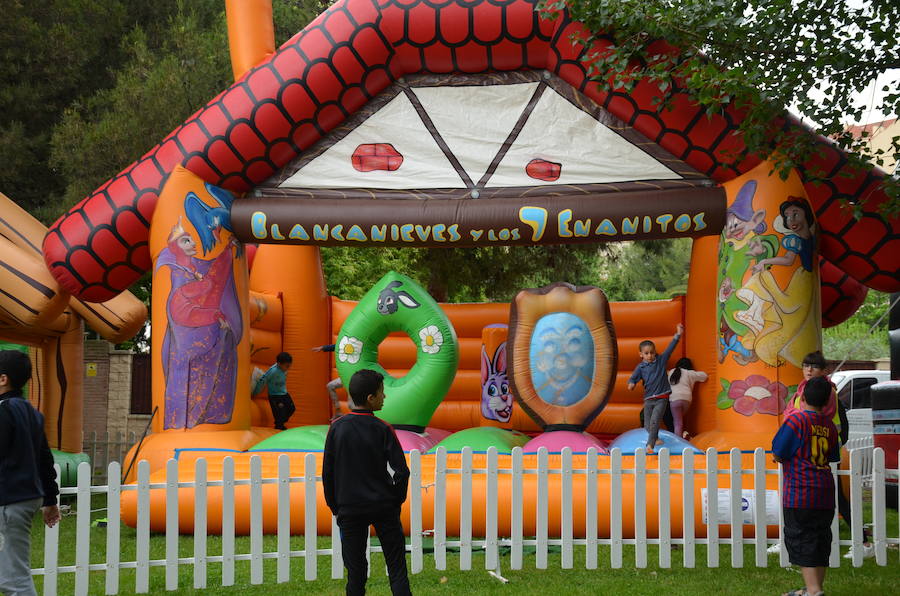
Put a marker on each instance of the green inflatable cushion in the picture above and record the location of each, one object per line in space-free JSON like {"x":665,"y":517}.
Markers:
{"x":482,"y":437}
{"x":301,"y":438}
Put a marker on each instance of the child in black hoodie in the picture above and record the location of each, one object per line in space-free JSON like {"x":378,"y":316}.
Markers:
{"x":366,"y":477}
{"x":27,"y":477}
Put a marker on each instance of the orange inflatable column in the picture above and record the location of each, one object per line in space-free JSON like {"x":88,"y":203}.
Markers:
{"x":768,"y":313}
{"x":200,"y":345}
{"x":296,"y":273}
{"x":699,"y":335}
{"x":251,"y":33}
{"x":57,"y":386}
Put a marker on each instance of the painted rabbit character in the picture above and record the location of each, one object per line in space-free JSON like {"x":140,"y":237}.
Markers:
{"x":389,"y":300}
{"x":496,"y":400}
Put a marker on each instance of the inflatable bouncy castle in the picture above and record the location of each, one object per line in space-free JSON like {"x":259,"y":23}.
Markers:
{"x":465,"y":125}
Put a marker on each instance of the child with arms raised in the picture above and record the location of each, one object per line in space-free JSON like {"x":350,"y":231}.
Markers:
{"x":652,"y":372}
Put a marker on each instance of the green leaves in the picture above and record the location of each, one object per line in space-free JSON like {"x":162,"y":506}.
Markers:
{"x":760,"y":56}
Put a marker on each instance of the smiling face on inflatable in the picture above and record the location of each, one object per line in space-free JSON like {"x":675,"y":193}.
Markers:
{"x":563,"y":354}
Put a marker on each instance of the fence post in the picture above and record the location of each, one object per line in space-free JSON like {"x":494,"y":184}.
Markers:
{"x":51,"y":550}
{"x":856,"y":509}
{"x":590,"y":509}
{"x":834,"y":560}
{"x":540,"y":556}
{"x":665,"y":509}
{"x":687,"y":511}
{"x":879,"y":507}
{"x":640,"y":508}
{"x":113,"y":525}
{"x":516,"y":511}
{"x":712,"y":508}
{"x":760,"y":517}
{"x":440,"y":509}
{"x":491,"y":558}
{"x":615,"y":508}
{"x":337,"y":559}
{"x":172,"y":524}
{"x":736,"y":516}
{"x":228,"y":521}
{"x":310,"y":545}
{"x":465,"y":510}
{"x":201,"y":499}
{"x":566,"y":512}
{"x":142,"y":539}
{"x":256,"y":521}
{"x":83,"y":529}
{"x":284,"y":519}
{"x":416,"y":555}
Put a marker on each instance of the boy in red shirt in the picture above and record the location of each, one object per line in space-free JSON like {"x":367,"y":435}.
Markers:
{"x":805,"y":444}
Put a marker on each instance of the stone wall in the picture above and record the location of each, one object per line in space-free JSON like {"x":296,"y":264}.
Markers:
{"x":96,"y":385}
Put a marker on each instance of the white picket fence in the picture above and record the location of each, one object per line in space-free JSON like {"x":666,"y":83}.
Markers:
{"x":465,"y":543}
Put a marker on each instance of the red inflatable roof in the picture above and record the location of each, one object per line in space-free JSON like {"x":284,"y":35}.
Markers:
{"x":353,"y":51}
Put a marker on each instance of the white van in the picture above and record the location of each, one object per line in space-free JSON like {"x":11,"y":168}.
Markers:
{"x":853,"y":386}
{"x":853,"y":391}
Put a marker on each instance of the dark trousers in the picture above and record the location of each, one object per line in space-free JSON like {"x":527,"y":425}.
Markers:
{"x":354,"y":533}
{"x":282,"y":408}
{"x":667,"y":419}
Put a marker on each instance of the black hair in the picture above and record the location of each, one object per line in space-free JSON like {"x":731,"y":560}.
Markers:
{"x":816,"y":391}
{"x":802,"y":204}
{"x":16,"y":366}
{"x":815,"y":359}
{"x":684,"y":363}
{"x":364,"y":383}
{"x":644,"y":344}
{"x":284,"y":358}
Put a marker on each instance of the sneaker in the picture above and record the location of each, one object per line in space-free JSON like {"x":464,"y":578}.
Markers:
{"x":774,"y":549}
{"x":868,"y":551}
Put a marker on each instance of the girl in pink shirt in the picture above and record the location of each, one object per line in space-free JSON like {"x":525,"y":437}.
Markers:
{"x":682,"y":379}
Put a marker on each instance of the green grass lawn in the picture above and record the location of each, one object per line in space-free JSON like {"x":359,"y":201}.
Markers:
{"x":749,"y":580}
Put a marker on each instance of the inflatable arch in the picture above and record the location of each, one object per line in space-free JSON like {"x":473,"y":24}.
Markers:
{"x":35,"y":312}
{"x":314,"y":133}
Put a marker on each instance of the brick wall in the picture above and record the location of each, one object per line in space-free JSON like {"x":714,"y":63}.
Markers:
{"x":119,"y":391}
{"x":96,"y":385}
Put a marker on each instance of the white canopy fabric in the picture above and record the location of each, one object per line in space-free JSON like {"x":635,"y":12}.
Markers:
{"x":474,"y":122}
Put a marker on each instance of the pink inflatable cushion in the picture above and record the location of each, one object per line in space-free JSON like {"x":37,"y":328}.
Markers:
{"x":555,"y":440}
{"x":410,"y":440}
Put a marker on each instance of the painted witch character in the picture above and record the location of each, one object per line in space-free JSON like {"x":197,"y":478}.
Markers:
{"x":199,"y":351}
{"x":782,"y":323}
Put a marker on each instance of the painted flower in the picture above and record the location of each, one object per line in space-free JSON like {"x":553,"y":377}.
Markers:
{"x":756,"y":394}
{"x":431,"y":339}
{"x":349,"y":349}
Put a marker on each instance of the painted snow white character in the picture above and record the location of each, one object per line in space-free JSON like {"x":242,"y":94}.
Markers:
{"x":199,"y":352}
{"x":783,"y":323}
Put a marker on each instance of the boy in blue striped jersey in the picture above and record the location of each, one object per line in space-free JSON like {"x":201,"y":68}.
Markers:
{"x":805,"y":444}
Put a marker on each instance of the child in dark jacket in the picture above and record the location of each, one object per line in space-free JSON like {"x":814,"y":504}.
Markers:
{"x":365,"y":476}
{"x":27,"y":477}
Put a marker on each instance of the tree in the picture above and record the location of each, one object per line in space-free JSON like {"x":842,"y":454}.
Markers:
{"x":650,"y":270}
{"x":760,"y":57}
{"x":462,"y":274}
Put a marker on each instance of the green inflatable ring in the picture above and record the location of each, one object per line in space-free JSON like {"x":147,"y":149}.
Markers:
{"x":397,"y":303}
